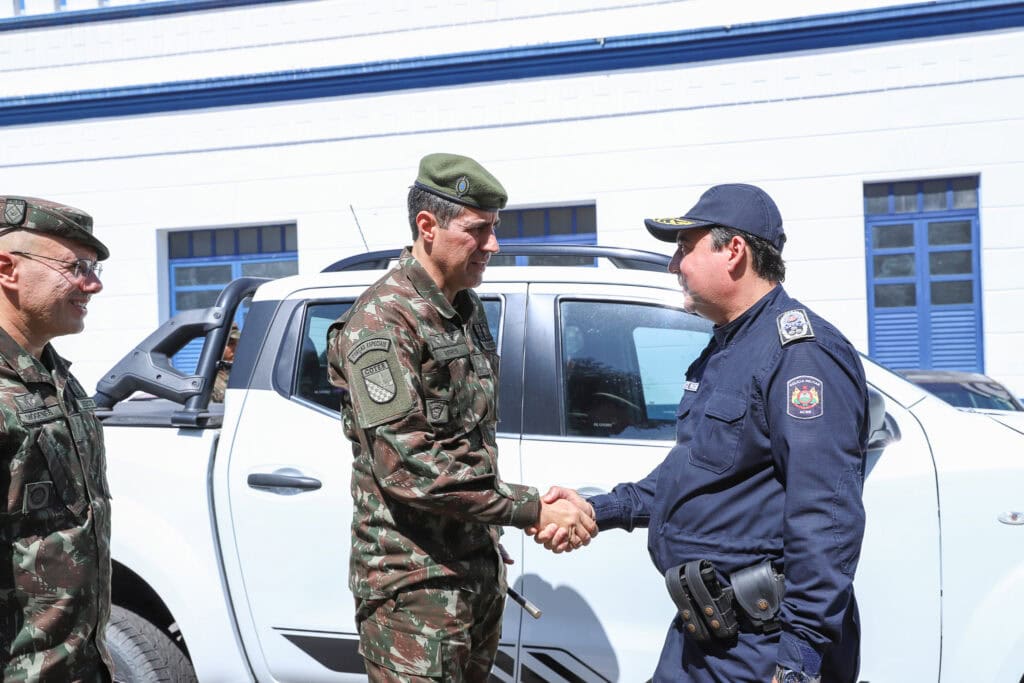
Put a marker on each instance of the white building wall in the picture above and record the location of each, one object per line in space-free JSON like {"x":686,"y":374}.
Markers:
{"x":810,"y":127}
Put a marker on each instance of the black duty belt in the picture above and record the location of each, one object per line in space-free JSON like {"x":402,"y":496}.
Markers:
{"x":710,"y":610}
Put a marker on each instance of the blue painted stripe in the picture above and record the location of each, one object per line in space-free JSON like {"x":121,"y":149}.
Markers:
{"x":141,"y":11}
{"x":906,"y":22}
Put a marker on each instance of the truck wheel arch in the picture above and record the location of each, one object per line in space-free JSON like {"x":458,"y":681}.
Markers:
{"x":130,"y":591}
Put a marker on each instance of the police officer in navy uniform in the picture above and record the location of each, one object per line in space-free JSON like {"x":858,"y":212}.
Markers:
{"x":766,"y":476}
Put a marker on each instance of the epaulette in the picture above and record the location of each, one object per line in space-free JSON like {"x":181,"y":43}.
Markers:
{"x":794,"y":325}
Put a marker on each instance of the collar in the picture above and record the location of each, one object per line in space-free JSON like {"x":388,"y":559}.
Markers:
{"x":729,"y":331}
{"x":428,"y":289}
{"x":26,"y":366}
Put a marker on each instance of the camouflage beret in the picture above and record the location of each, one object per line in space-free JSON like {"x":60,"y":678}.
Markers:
{"x":40,"y":215}
{"x":461,"y":180}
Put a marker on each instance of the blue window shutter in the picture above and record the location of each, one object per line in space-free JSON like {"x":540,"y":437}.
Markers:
{"x":956,"y":344}
{"x":896,"y":338}
{"x":187,"y":359}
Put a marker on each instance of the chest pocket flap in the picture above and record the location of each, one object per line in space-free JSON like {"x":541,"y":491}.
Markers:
{"x":726,"y":407}
{"x":719,"y":434}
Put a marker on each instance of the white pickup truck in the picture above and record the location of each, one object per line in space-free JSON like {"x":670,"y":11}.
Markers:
{"x":231,"y":521}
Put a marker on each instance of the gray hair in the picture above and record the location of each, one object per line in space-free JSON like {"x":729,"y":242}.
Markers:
{"x":767,"y":260}
{"x":444,"y":210}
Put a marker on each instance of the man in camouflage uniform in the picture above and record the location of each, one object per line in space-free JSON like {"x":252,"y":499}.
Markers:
{"x":420,"y":370}
{"x":220,"y":382}
{"x":55,"y":521}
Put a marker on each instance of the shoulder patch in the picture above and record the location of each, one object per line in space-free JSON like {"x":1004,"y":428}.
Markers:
{"x":377,"y":382}
{"x":375,"y":344}
{"x":794,"y":325}
{"x":804,"y":396}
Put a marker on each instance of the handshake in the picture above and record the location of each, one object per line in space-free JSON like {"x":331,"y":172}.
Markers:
{"x":566,"y":521}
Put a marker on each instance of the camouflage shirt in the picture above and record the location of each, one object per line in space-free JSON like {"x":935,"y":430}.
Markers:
{"x":420,"y":376}
{"x":55,"y":568}
{"x":220,"y":385}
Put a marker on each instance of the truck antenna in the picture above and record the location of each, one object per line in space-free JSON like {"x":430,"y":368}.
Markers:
{"x":359,"y":227}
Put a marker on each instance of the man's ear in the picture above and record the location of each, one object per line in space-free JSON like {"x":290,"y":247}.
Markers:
{"x":738,"y":250}
{"x":8,"y":272}
{"x":428,"y":226}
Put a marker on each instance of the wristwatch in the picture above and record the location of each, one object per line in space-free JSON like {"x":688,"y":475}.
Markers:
{"x":783,"y":675}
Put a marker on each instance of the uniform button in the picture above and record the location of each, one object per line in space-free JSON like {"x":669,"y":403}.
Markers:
{"x":708,"y":611}
{"x":686,"y":614}
{"x":762,"y":604}
{"x":691,"y":628}
{"x":715,"y":624}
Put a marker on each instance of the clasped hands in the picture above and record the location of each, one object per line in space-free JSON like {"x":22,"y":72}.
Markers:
{"x":566,"y":521}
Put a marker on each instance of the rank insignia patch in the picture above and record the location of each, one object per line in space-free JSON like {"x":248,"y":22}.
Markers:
{"x":437,"y":411}
{"x":380,"y":383}
{"x":483,"y":336}
{"x":794,"y":325}
{"x":804,"y":396}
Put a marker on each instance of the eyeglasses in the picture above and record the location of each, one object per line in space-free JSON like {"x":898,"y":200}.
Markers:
{"x":79,"y":268}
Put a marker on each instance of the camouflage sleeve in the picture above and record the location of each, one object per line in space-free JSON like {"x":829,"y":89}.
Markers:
{"x":452,"y":472}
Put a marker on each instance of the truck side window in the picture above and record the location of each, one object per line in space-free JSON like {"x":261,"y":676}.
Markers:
{"x":311,"y":381}
{"x":623,"y":367}
{"x":492,"y":307}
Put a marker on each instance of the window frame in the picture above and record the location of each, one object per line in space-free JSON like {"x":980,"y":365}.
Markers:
{"x":513,"y":234}
{"x":892,"y":330}
{"x":184,"y":359}
{"x":544,"y":376}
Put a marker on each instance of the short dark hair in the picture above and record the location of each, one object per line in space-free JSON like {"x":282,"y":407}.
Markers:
{"x":767,"y":261}
{"x":444,"y":210}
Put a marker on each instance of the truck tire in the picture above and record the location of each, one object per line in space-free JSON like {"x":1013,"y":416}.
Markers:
{"x":142,"y":653}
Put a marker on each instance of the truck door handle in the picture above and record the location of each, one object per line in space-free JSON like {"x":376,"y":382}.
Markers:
{"x":276,"y":481}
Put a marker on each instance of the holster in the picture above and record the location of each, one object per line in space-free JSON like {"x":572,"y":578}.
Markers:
{"x":709,"y":609}
{"x":758,"y":591}
{"x":705,"y":606}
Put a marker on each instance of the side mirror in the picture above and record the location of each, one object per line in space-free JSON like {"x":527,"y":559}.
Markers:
{"x":884,"y":430}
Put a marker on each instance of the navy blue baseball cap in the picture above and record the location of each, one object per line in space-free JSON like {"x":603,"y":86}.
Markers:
{"x":743,"y":207}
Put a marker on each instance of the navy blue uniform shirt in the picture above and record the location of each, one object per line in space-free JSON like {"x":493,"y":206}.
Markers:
{"x":768,"y":464}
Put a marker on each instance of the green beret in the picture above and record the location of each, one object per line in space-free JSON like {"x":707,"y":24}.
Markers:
{"x":461,"y":180}
{"x":40,"y":215}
